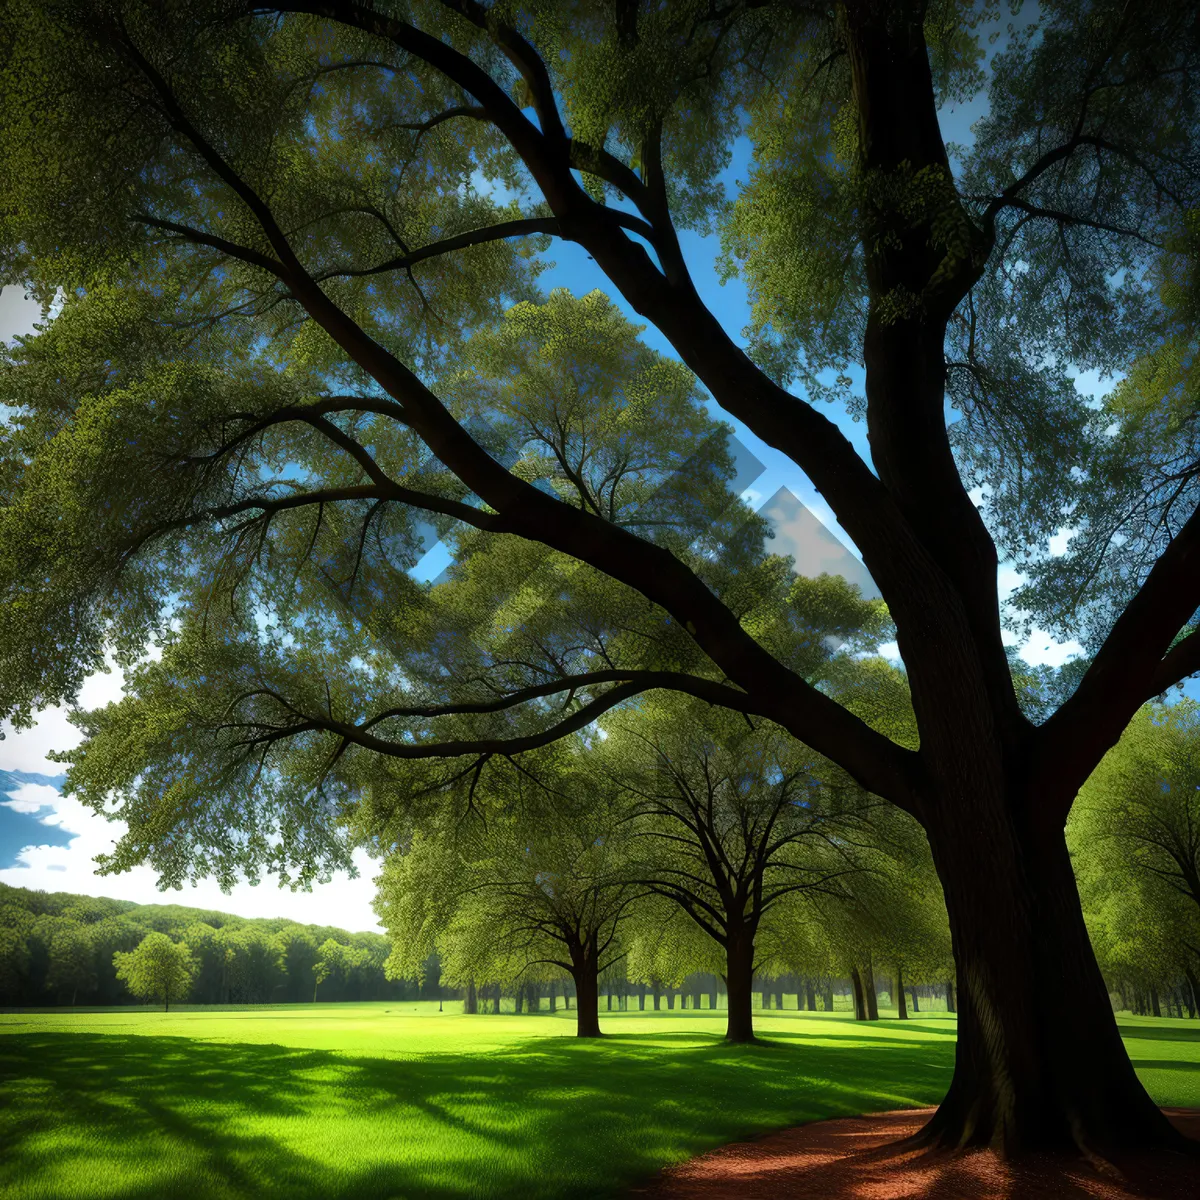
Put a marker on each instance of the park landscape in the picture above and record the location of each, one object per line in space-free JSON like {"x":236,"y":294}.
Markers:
{"x":406,"y":389}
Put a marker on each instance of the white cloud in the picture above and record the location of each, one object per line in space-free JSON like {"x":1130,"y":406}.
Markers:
{"x":31,"y":798}
{"x":343,"y":901}
{"x":1042,"y":650}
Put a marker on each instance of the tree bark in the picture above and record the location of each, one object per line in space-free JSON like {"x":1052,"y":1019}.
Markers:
{"x":901,"y":1007}
{"x":585,"y":972}
{"x":860,"y":1000}
{"x":657,"y":998}
{"x":739,"y":985}
{"x":1193,"y":992}
{"x":471,"y":1004}
{"x":1155,"y":1009}
{"x":916,"y":1007}
{"x":810,"y":996}
{"x":1039,"y":1064}
{"x":869,"y":993}
{"x":951,"y":999}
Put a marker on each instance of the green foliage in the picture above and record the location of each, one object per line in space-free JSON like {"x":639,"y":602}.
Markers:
{"x":1135,"y":838}
{"x":157,"y":970}
{"x":59,"y":947}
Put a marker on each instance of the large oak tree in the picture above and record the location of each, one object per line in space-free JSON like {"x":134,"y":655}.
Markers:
{"x":271,"y":226}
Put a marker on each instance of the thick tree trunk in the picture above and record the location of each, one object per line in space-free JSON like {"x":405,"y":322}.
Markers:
{"x":860,"y":999}
{"x":657,"y":998}
{"x":901,"y":1007}
{"x":739,"y":985}
{"x":1039,"y":1063}
{"x":587,"y":991}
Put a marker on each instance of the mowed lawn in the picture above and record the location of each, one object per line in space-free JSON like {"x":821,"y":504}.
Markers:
{"x":390,"y":1100}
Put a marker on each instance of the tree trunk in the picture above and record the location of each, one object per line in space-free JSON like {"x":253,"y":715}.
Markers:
{"x":712,"y":996}
{"x":584,"y":970}
{"x":671,"y":999}
{"x":471,"y":1005}
{"x":810,"y":996}
{"x":1155,"y":1010}
{"x":739,"y":985}
{"x":951,"y":1001}
{"x":860,"y":999}
{"x":912,"y":991}
{"x":869,"y":993}
{"x":901,"y":1008}
{"x":1193,"y":992}
{"x":1039,"y":1063}
{"x":551,"y":996}
{"x":657,"y":998}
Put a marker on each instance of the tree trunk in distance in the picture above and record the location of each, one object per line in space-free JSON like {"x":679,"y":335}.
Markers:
{"x":870,"y":994}
{"x":860,"y":1000}
{"x":779,"y":999}
{"x":671,"y":999}
{"x":550,"y":993}
{"x":1155,"y":1009}
{"x":712,"y":995}
{"x":828,"y":997}
{"x":951,"y":1003}
{"x":739,"y":985}
{"x":587,"y":995}
{"x":471,"y":1006}
{"x":657,"y":997}
{"x":641,"y":997}
{"x":901,"y":1007}
{"x":1193,"y":992}
{"x":912,"y":991}
{"x":810,"y":995}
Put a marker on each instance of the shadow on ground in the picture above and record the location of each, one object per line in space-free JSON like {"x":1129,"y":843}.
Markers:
{"x":99,"y":1116}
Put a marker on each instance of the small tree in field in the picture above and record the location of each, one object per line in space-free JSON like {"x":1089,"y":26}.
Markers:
{"x":157,"y":970}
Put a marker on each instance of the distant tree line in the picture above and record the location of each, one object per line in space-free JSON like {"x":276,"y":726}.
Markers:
{"x":57,"y":948}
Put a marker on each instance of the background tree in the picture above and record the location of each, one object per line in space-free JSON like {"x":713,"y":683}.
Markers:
{"x":538,"y":878}
{"x":72,"y":961}
{"x":296,"y":323}
{"x":157,"y":970}
{"x":730,"y":822}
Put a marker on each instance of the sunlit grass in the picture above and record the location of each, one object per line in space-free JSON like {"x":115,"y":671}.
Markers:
{"x":397,"y":1100}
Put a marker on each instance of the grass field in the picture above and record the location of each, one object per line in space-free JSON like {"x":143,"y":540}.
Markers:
{"x":388,"y":1100}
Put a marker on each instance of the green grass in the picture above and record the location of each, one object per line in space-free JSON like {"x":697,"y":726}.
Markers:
{"x":389,"y":1100}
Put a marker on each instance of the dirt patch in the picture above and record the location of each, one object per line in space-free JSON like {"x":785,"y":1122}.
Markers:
{"x":849,"y":1159}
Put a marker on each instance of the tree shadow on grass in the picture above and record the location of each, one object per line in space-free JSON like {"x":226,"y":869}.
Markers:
{"x":98,"y":1116}
{"x":1163,"y":1033}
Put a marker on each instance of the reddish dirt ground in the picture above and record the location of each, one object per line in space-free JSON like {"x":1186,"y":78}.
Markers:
{"x":850,"y":1159}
